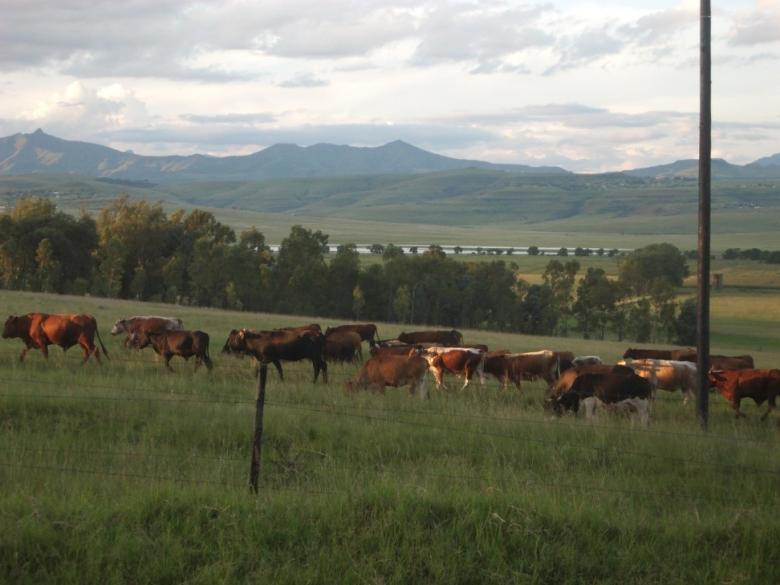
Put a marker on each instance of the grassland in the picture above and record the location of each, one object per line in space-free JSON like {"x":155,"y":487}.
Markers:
{"x":127,"y":473}
{"x":463,"y":207}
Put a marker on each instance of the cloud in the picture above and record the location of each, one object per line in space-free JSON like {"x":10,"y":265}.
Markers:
{"x":303,"y":80}
{"x":485,"y":33}
{"x":237,"y":118}
{"x":757,"y":27}
{"x":85,"y":111}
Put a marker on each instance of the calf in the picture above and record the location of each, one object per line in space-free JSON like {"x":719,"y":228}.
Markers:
{"x":454,"y":360}
{"x":608,"y":391}
{"x":669,"y":375}
{"x":760,"y":385}
{"x":184,"y":344}
{"x":391,"y":370}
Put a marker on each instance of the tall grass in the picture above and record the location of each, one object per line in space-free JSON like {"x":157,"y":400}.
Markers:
{"x":128,"y":473}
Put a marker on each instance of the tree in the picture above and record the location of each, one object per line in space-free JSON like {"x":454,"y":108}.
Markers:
{"x":563,"y":252}
{"x":300,"y":274}
{"x":644,"y":267}
{"x":560,"y":278}
{"x":436,"y":251}
{"x":402,"y":304}
{"x":457,"y":250}
{"x":49,"y":273}
{"x":358,"y":302}
{"x":596,"y":298}
{"x":538,"y":310}
{"x":685,"y":325}
{"x":640,"y":321}
{"x":376,"y":249}
{"x":392,"y":251}
{"x":533,"y":250}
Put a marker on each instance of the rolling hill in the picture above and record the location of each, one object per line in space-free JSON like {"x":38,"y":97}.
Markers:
{"x":39,"y":152}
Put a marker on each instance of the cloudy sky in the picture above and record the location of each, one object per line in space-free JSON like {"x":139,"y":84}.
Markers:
{"x":589,"y":85}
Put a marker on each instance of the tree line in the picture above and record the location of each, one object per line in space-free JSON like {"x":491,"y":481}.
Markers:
{"x":135,"y":250}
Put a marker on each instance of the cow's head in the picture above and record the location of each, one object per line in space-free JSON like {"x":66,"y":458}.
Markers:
{"x":716,"y":377}
{"x":628,"y":353}
{"x":119,"y":327}
{"x":235,"y":342}
{"x":11,"y":329}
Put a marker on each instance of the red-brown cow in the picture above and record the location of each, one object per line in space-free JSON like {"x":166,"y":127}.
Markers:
{"x":184,"y":344}
{"x":391,"y":370}
{"x":367,"y":331}
{"x":40,"y":330}
{"x":454,"y":360}
{"x":760,"y":385}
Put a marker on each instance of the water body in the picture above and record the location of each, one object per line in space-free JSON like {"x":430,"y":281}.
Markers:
{"x":469,"y":249}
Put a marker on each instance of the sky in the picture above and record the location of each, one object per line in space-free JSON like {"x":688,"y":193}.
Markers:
{"x":587,"y":85}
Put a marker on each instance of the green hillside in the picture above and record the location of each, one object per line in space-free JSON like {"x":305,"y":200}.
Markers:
{"x":477,"y":206}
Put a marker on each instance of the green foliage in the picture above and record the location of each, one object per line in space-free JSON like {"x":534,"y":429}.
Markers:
{"x":596,"y":298}
{"x":685,"y":325}
{"x":646,"y":267}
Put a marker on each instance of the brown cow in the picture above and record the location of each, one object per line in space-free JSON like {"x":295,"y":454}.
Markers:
{"x":451,"y":338}
{"x":682,"y":355}
{"x":184,"y":344}
{"x":280,"y":345}
{"x":343,"y":346}
{"x":454,"y":360}
{"x":514,"y":367}
{"x":760,"y":385}
{"x":367,"y":331}
{"x":40,"y":330}
{"x":148,"y":324}
{"x":391,"y":370}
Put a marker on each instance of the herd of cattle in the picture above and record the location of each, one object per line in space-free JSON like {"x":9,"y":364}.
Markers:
{"x":576,"y":383}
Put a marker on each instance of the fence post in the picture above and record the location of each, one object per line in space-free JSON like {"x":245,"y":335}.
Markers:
{"x":254,"y":470}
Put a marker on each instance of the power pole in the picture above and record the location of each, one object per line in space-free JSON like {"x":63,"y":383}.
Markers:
{"x":705,"y":154}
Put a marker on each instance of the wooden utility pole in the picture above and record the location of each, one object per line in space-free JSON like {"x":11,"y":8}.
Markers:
{"x":705,"y":153}
{"x":254,"y":469}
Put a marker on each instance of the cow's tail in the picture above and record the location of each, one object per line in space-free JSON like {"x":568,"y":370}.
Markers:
{"x":206,"y":356}
{"x":103,"y":347}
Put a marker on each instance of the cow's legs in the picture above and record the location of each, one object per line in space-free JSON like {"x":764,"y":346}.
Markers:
{"x":420,"y":388}
{"x":770,"y":406}
{"x":168,"y":357}
{"x":735,"y":405}
{"x":278,"y":365}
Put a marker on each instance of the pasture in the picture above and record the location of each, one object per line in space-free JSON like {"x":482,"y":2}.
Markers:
{"x":129,"y":473}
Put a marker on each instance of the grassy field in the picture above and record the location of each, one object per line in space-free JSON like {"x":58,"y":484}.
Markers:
{"x":126,"y":473}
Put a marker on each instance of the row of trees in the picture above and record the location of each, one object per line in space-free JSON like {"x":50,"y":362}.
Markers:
{"x":135,"y":250}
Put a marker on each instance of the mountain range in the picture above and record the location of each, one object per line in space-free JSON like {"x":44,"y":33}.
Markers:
{"x":38,"y":152}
